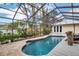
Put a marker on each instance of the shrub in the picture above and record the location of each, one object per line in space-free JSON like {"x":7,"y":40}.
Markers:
{"x":46,"y":31}
{"x":1,"y":32}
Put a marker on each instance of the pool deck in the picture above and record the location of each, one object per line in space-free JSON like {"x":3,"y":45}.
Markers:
{"x":62,"y":49}
{"x":15,"y":48}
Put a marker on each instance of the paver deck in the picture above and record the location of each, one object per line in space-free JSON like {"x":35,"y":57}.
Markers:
{"x":15,"y":48}
{"x":63,"y":49}
{"x":12,"y":49}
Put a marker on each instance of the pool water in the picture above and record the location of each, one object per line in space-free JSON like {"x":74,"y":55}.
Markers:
{"x":41,"y":47}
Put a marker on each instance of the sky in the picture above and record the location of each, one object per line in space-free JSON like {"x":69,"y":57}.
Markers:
{"x":6,"y":13}
{"x":13,"y":6}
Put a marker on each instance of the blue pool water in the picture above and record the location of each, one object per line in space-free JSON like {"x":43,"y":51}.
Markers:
{"x":41,"y":47}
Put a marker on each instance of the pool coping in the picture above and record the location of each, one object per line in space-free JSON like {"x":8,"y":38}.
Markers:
{"x":32,"y":39}
{"x":39,"y":38}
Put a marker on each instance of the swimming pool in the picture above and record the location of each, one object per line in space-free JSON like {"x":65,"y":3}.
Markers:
{"x":42,"y":47}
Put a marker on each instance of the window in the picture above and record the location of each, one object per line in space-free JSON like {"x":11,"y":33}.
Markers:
{"x":57,"y":28}
{"x":54,"y":28}
{"x":60,"y":28}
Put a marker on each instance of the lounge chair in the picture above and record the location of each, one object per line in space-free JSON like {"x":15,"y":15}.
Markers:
{"x":76,"y":39}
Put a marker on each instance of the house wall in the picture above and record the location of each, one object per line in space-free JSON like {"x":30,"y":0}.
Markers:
{"x":68,"y":27}
{"x":77,"y":29}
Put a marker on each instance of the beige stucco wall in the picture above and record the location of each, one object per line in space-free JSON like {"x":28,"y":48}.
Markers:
{"x":77,"y":29}
{"x":68,"y":27}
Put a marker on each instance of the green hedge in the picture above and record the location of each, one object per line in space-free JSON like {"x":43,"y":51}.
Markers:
{"x":8,"y":36}
{"x":46,"y":31}
{"x":22,"y":34}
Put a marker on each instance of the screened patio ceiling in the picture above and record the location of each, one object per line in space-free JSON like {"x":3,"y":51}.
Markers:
{"x":49,"y":12}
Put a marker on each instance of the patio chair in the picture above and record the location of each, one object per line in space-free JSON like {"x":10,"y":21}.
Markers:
{"x":76,"y":38}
